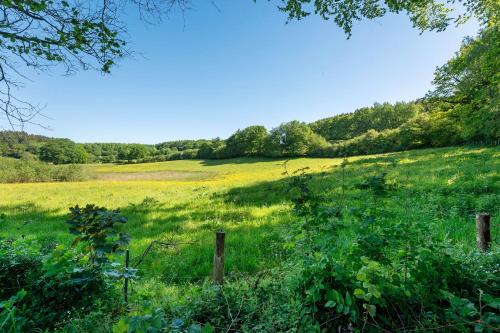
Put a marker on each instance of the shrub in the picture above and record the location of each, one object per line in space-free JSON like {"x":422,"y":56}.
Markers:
{"x":25,"y":171}
{"x":47,"y":291}
{"x":55,"y":286}
{"x":395,"y":276}
{"x":96,"y":227}
{"x":247,"y":142}
{"x":10,"y":320}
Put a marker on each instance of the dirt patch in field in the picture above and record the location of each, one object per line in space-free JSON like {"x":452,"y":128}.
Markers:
{"x":156,"y":175}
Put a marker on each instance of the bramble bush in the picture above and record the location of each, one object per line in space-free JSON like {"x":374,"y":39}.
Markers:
{"x":47,"y":290}
{"x":395,"y":276}
{"x":54,"y":285}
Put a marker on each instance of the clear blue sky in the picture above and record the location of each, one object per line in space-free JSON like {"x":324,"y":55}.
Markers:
{"x":220,"y":69}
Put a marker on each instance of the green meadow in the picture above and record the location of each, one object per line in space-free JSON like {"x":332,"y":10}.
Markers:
{"x":187,"y":201}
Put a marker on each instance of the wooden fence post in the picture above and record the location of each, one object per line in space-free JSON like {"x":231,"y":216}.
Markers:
{"x":483,"y":236}
{"x":125,"y":286}
{"x":219,"y":257}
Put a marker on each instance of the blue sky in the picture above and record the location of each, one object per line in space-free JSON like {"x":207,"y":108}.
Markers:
{"x":218,"y":69}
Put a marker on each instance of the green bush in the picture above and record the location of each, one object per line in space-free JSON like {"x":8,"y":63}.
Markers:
{"x":56,"y":285}
{"x":96,"y":228}
{"x":46,"y":288}
{"x":396,"y":275}
{"x":27,"y":171}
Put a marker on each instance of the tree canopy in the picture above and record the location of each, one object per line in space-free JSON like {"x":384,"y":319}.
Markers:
{"x":250,"y":141}
{"x":424,"y":14}
{"x":294,"y":139}
{"x":63,"y":151}
{"x":470,"y":84}
{"x":68,"y":34}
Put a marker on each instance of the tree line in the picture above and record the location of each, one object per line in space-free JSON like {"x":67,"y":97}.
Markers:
{"x":463,"y":107}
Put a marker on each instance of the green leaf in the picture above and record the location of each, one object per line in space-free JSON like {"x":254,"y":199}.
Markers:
{"x":333,"y":295}
{"x":208,"y":329}
{"x":361,"y":276}
{"x":359,"y":293}
{"x":372,"y":309}
{"x":330,"y":304}
{"x":478,"y":328}
{"x":491,"y":301}
{"x":348,"y":300}
{"x":120,"y":327}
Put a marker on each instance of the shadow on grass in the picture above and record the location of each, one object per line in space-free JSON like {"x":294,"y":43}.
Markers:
{"x":250,"y":241}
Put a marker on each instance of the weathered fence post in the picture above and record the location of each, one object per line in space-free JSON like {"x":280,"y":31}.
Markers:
{"x":125,"y":286}
{"x":483,"y":236}
{"x":219,"y":257}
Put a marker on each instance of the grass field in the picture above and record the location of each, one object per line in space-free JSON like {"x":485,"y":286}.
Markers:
{"x":188,"y":200}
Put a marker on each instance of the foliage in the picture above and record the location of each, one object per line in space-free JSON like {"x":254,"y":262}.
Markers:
{"x":462,"y":108}
{"x":367,"y":255}
{"x":425,"y":15}
{"x":244,"y":304}
{"x":378,"y":117}
{"x":10,"y":321}
{"x":250,"y":141}
{"x":293,"y":139}
{"x":18,"y":144}
{"x":23,"y":171}
{"x":280,"y":253}
{"x":376,"y":183}
{"x":396,"y":276}
{"x":43,"y":34}
{"x":57,"y":33}
{"x":62,"y":151}
{"x":470,"y":82}
{"x":154,"y":320}
{"x":96,"y":227}
{"x":44,"y":290}
{"x":214,"y":149}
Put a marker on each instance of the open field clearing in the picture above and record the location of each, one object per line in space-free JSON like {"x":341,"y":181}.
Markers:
{"x":248,"y":199}
{"x":188,"y":205}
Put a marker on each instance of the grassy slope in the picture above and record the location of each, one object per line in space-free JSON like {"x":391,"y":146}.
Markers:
{"x":247,"y":198}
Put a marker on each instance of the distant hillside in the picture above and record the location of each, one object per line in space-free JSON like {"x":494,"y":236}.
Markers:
{"x":377,"y":129}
